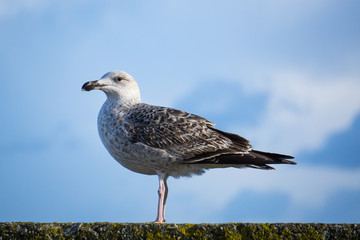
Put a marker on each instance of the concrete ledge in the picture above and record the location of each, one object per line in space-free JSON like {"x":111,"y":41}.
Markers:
{"x":22,"y":230}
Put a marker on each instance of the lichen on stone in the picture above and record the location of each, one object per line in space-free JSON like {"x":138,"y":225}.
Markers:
{"x":231,"y":231}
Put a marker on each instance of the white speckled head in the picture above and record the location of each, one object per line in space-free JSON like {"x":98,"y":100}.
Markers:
{"x":117,"y":85}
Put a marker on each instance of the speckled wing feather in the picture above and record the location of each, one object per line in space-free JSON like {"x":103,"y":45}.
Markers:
{"x":191,"y":138}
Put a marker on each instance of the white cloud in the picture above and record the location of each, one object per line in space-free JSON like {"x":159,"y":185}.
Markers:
{"x":304,"y":111}
{"x":308,"y":186}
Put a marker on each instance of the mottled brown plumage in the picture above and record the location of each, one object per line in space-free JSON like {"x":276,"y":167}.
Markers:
{"x":193,"y":139}
{"x":165,"y":141}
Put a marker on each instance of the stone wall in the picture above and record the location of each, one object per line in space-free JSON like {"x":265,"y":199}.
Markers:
{"x":21,"y":230}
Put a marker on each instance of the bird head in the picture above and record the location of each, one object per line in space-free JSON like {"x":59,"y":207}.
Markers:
{"x":117,"y":85}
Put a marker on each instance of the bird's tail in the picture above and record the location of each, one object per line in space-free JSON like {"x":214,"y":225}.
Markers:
{"x":254,"y":159}
{"x":274,"y":158}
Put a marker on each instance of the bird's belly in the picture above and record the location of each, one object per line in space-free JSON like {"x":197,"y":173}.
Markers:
{"x":149,"y":163}
{"x":119,"y":148}
{"x":133,"y":164}
{"x":140,"y":158}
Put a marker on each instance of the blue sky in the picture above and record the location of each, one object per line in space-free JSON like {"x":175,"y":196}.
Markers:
{"x":284,"y":75}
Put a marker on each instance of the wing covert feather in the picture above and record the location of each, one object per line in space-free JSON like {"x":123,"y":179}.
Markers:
{"x":189,"y":137}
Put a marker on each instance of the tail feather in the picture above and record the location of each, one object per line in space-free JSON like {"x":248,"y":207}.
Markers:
{"x":254,"y":159}
{"x":275,"y":158}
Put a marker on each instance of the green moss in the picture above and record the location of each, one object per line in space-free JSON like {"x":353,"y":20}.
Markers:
{"x":159,"y":236}
{"x":232,"y":234}
{"x":232,"y":231}
{"x":285,"y":233}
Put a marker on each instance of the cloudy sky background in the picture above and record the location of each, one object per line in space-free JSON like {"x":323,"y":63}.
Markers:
{"x":284,"y":75}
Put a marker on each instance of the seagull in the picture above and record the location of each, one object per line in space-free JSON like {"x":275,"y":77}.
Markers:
{"x":164,"y":141}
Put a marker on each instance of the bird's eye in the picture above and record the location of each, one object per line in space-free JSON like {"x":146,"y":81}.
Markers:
{"x":118,"y":79}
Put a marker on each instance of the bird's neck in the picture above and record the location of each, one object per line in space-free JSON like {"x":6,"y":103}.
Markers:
{"x":122,"y":103}
{"x":124,"y":99}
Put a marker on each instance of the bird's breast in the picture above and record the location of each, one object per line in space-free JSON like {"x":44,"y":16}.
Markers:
{"x":115,"y":136}
{"x":110,"y":128}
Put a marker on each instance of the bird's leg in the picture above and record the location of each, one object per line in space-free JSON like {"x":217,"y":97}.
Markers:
{"x":162,"y":198}
{"x":165,"y":197}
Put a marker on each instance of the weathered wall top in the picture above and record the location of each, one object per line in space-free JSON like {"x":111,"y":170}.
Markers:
{"x":21,"y":230}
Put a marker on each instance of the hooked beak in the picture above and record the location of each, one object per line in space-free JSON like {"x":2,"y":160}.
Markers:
{"x":91,"y":85}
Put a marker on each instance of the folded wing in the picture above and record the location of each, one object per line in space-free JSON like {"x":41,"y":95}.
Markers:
{"x":194,"y":140}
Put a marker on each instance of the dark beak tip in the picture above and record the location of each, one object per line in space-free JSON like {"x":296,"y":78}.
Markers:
{"x":86,"y":87}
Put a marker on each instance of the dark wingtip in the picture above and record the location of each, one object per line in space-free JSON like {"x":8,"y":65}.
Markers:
{"x":289,"y":162}
{"x":266,"y":167}
{"x":285,"y":160}
{"x":276,"y":158}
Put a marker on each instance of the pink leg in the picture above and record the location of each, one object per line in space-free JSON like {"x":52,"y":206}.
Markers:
{"x":165,"y":197}
{"x":162,"y":198}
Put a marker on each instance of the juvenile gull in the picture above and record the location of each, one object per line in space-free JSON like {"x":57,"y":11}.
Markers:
{"x":163,"y":141}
